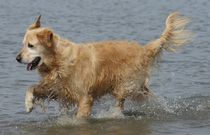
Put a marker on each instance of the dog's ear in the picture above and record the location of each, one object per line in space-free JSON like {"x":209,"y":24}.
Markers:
{"x":45,"y":37}
{"x":36,"y":24}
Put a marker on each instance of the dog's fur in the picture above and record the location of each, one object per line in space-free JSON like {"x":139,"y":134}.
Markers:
{"x":80,"y":73}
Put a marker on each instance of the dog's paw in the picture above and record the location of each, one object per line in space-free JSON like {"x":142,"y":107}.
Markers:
{"x":29,"y":101}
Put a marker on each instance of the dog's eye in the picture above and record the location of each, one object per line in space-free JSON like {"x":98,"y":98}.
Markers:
{"x":30,"y":45}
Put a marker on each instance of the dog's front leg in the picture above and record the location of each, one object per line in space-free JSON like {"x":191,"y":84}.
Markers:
{"x":34,"y":92}
{"x":29,"y":99}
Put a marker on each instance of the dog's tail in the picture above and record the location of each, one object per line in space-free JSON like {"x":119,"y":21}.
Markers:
{"x":174,"y":36}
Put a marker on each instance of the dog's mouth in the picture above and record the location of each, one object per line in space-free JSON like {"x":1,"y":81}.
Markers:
{"x":34,"y":64}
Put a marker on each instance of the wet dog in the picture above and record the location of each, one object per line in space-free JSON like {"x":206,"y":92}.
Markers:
{"x":81,"y":73}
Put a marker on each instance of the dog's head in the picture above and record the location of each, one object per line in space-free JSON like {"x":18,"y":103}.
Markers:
{"x":37,"y":46}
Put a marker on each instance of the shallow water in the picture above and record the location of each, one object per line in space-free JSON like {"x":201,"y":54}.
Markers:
{"x":182,"y":82}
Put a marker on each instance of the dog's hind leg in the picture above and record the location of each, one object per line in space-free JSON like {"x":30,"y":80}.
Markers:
{"x":119,"y":94}
{"x":120,"y":103}
{"x":143,"y":93}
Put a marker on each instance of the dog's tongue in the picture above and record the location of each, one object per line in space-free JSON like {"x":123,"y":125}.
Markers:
{"x":29,"y":66}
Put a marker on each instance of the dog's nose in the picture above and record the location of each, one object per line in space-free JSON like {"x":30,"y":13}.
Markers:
{"x":18,"y":58}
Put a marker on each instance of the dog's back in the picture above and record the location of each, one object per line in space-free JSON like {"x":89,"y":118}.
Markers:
{"x":122,"y":68}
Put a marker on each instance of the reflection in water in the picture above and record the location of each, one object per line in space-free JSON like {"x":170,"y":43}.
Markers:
{"x":95,"y":127}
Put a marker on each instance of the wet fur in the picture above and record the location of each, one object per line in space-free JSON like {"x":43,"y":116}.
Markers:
{"x":81,"y":73}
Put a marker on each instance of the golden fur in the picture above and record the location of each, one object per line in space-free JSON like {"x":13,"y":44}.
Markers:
{"x":80,"y":73}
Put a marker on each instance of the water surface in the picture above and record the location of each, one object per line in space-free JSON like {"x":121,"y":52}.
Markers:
{"x":182,"y":81}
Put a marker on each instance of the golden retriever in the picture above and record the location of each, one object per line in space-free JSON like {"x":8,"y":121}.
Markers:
{"x":81,"y":73}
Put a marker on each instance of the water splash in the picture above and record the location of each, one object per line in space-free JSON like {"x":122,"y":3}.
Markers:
{"x":162,"y":108}
{"x":110,"y":113}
